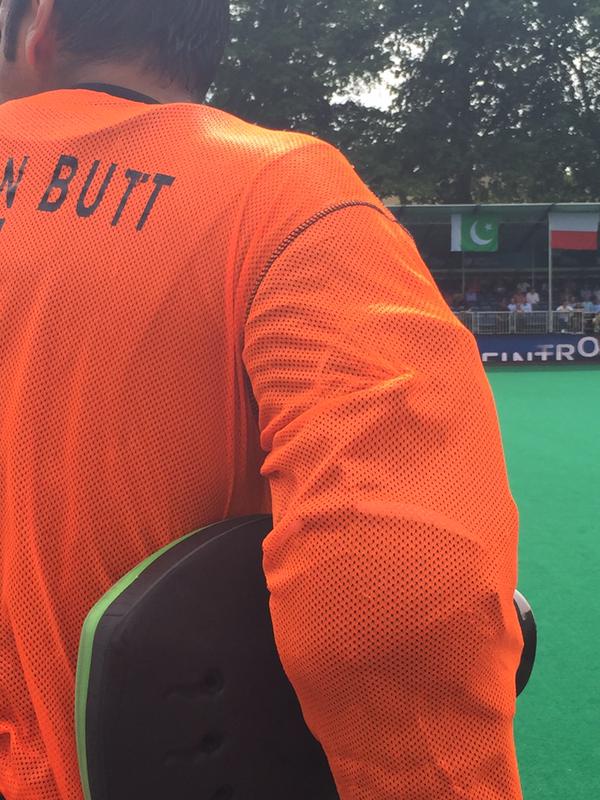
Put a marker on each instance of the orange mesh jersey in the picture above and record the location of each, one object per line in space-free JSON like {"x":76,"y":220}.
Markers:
{"x":157,"y":262}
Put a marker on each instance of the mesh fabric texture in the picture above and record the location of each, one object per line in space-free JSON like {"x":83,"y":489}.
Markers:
{"x":133,"y":360}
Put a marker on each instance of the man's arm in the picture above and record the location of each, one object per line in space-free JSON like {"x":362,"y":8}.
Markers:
{"x":392,"y":563}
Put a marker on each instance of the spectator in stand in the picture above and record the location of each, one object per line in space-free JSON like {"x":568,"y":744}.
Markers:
{"x":522,"y":304}
{"x":565,"y":306}
{"x":523,"y":286}
{"x":533,"y":297}
{"x":564,"y":320}
{"x":597,"y":324}
{"x":471,"y":295}
{"x":458,"y":303}
{"x":512,"y":306}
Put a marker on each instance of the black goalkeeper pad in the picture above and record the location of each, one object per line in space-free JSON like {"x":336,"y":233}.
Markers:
{"x":180,"y":692}
{"x":186,"y":698}
{"x":529,"y":631}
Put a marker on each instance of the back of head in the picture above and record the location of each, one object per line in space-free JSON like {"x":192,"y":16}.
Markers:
{"x":178,"y":41}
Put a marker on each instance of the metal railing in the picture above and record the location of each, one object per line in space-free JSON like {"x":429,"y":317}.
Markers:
{"x":532,"y":322}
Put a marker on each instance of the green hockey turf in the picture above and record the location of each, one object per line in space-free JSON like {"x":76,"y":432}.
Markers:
{"x":550,"y":419}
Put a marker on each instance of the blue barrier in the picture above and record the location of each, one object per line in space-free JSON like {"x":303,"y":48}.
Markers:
{"x":541,"y":349}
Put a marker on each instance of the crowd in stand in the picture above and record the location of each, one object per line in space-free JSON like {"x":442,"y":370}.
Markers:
{"x":504,"y":294}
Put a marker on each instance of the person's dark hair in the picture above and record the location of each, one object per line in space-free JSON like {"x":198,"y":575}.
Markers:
{"x":183,"y":40}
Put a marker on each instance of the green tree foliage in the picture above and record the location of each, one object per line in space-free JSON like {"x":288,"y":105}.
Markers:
{"x":492,"y":100}
{"x":570,"y":38}
{"x":289,"y":61}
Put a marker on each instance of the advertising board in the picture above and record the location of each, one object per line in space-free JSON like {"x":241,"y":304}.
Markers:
{"x":542,"y":349}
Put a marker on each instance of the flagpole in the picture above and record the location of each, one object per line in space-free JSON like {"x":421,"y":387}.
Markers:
{"x":550,"y":271}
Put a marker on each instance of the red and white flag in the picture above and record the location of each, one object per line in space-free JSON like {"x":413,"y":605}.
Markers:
{"x":574,"y":231}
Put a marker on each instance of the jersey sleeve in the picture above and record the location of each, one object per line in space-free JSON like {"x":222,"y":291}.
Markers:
{"x":393,"y":560}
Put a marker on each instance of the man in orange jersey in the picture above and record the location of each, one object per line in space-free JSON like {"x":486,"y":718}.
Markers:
{"x":202,"y":319}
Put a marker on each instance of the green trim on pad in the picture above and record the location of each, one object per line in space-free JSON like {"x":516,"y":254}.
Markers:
{"x":84,"y":660}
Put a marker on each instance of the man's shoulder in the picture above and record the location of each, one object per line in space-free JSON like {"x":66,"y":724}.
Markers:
{"x":296,"y":170}
{"x":230,"y":133}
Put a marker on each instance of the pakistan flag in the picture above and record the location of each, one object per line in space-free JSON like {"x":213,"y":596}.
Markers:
{"x":474,"y":233}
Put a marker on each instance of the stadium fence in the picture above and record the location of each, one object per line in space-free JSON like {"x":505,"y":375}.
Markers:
{"x":532,"y":322}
